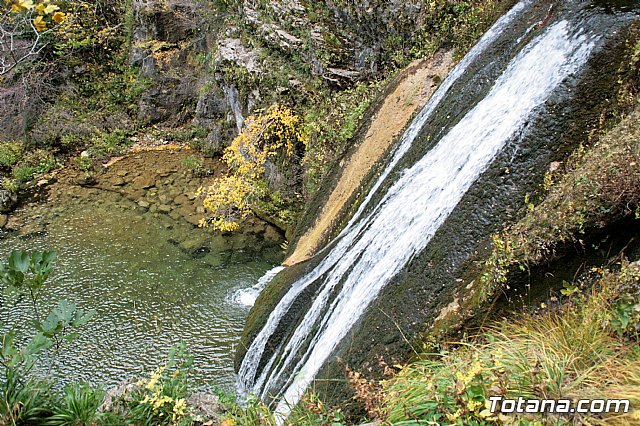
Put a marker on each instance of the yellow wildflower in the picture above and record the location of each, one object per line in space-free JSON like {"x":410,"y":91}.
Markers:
{"x":20,"y":5}
{"x":59,"y":17}
{"x":161,"y":401}
{"x":45,"y":8}
{"x":152,"y":383}
{"x":40,"y":24}
{"x":179,"y":408}
{"x":452,"y":417}
{"x":473,"y":405}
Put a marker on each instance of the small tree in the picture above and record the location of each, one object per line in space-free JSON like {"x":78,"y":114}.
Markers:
{"x":275,"y":134}
{"x":24,"y":26}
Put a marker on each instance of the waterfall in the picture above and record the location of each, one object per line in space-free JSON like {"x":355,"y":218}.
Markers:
{"x":249,"y":367}
{"x":379,"y":241}
{"x":232,"y":95}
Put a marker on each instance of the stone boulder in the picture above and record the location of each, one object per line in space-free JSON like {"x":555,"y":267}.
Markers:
{"x":8,"y":201}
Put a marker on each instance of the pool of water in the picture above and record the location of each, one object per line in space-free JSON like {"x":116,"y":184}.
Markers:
{"x":148,"y":293}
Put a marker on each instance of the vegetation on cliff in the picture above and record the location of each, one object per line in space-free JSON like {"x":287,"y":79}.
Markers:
{"x":596,"y":187}
{"x":267,"y":139}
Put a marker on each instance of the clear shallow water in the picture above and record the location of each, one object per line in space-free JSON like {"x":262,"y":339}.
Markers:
{"x":148,"y":294}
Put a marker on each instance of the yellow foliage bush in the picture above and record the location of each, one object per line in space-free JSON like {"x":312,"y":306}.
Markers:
{"x":28,"y":21}
{"x":272,"y":136}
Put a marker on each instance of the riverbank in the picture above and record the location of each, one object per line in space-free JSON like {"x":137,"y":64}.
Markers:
{"x":158,"y":182}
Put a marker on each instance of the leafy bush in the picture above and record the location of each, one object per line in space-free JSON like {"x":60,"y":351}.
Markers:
{"x":281,"y":210}
{"x":84,"y":163}
{"x":33,"y":164}
{"x":10,"y":153}
{"x":71,"y":141}
{"x":274,"y":136}
{"x":107,"y":144}
{"x":159,"y":399}
{"x":186,"y":134}
{"x":9,"y":184}
{"x":195,"y":165}
{"x":23,"y":399}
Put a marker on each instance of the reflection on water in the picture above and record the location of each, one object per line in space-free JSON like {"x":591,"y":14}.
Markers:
{"x":148,"y":294}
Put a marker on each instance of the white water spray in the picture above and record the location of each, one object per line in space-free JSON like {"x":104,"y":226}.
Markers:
{"x":248,"y":296}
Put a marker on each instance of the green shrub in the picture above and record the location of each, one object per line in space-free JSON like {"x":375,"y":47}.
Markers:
{"x":107,"y":144}
{"x":9,"y":184}
{"x":187,"y":134}
{"x":33,"y":164}
{"x":280,"y":209}
{"x":10,"y":153}
{"x":71,"y":141}
{"x":23,"y":399}
{"x":84,"y":163}
{"x":78,"y":407}
{"x":195,"y":165}
{"x":159,"y":399}
{"x":331,"y":125}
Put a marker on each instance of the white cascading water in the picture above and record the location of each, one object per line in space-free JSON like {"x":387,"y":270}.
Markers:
{"x":249,"y":367}
{"x":248,"y":296}
{"x":369,"y":253}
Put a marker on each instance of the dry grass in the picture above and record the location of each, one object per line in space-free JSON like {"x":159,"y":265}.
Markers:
{"x":575,"y":351}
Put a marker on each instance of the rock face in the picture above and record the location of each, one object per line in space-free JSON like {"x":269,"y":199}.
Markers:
{"x":213,"y":64}
{"x":426,"y":283}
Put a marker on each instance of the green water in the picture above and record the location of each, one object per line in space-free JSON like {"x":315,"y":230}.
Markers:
{"x":148,"y":294}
